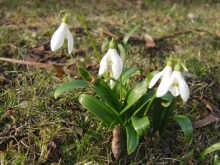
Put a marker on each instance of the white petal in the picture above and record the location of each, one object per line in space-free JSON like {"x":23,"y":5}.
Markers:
{"x":183,"y":88}
{"x":116,"y":64}
{"x":174,"y":90}
{"x":167,"y":73}
{"x":70,"y":41}
{"x":165,"y":86}
{"x":57,"y":39}
{"x":155,"y":79}
{"x":103,"y":65}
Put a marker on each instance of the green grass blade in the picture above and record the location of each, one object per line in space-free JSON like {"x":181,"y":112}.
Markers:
{"x":99,"y":109}
{"x":186,"y":125}
{"x":140,"y":124}
{"x":69,"y":86}
{"x":132,"y":139}
{"x":128,"y":35}
{"x":211,"y":148}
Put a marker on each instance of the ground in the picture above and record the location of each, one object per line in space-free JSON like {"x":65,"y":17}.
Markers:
{"x":36,"y":128}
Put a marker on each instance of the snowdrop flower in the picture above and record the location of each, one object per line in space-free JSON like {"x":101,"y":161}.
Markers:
{"x":175,"y":84}
{"x":57,"y":39}
{"x":113,"y":60}
{"x":165,"y":74}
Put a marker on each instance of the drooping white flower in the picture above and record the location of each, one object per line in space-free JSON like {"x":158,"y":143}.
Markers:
{"x":175,"y":84}
{"x":62,"y":32}
{"x":165,"y":74}
{"x":113,"y":60}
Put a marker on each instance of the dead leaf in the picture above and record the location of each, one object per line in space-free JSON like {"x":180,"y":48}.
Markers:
{"x":207,"y":105}
{"x":218,"y":32}
{"x":208,"y":120}
{"x":117,"y":142}
{"x":24,"y":104}
{"x":58,"y":69}
{"x":149,"y":41}
{"x":38,"y":50}
{"x":107,"y":32}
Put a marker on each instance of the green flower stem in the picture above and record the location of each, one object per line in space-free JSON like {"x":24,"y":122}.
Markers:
{"x":151,"y":101}
{"x":121,"y":91}
{"x":86,"y":28}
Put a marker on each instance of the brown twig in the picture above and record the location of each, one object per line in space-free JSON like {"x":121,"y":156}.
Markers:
{"x":137,"y":39}
{"x":41,"y":65}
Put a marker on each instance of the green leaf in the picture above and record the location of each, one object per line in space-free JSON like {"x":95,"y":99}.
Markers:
{"x":186,"y":125}
{"x":69,"y":86}
{"x":168,"y":97}
{"x":158,"y":115}
{"x":211,"y":148}
{"x":104,"y":45}
{"x":122,"y":53}
{"x":128,"y":35}
{"x":140,"y":124}
{"x":107,"y":94}
{"x":128,"y":72}
{"x":86,"y":75}
{"x":99,"y":109}
{"x":151,"y":75}
{"x":132,"y":139}
{"x":134,"y":94}
{"x":168,"y":115}
{"x":141,"y":105}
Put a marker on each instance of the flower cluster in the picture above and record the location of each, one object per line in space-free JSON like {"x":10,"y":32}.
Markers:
{"x":111,"y":62}
{"x":111,"y":58}
{"x":172,"y":81}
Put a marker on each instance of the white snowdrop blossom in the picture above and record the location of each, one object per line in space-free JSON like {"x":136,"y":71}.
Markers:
{"x":165,"y":74}
{"x":62,"y":32}
{"x":176,"y":85}
{"x":113,"y":60}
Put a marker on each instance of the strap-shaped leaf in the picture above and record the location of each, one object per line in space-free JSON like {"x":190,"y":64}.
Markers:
{"x":141,"y":105}
{"x":99,"y":109}
{"x":128,"y":35}
{"x":122,"y":53}
{"x":69,"y":86}
{"x":134,"y":94}
{"x":186,"y":125}
{"x":212,"y":148}
{"x":140,"y":124}
{"x":127,"y":73}
{"x":107,"y":94}
{"x":132,"y":139}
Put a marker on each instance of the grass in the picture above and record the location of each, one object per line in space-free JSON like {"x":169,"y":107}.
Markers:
{"x":40,"y":129}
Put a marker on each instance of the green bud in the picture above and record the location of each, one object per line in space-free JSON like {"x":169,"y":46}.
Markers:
{"x":169,"y":62}
{"x":177,"y":67}
{"x":65,"y":19}
{"x":112,"y":44}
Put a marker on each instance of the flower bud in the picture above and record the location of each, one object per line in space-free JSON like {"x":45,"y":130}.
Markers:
{"x":177,"y":67}
{"x":169,"y":62}
{"x":65,"y":19}
{"x":112,"y":44}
